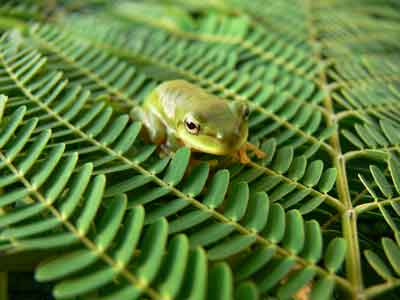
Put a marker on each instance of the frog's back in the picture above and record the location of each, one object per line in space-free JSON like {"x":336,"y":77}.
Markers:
{"x":180,"y":95}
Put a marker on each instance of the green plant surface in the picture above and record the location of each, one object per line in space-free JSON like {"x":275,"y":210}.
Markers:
{"x":318,"y":218}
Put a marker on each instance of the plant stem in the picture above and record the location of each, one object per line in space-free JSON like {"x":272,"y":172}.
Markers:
{"x":353,"y":259}
{"x":379,"y":289}
{"x":362,"y":208}
{"x":349,"y":217}
{"x":3,"y":286}
{"x":349,"y":220}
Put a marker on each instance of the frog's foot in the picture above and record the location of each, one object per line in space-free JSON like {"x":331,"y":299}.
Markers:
{"x":257,"y":151}
{"x":243,"y":158}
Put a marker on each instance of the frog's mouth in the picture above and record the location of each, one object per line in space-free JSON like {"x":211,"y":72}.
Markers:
{"x":211,"y":144}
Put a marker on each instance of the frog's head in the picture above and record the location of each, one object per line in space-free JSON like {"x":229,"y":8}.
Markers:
{"x":219,"y":127}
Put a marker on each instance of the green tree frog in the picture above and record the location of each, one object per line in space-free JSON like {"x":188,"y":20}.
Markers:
{"x":178,"y":113}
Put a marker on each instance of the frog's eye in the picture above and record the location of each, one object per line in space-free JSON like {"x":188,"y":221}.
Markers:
{"x":191,"y":126}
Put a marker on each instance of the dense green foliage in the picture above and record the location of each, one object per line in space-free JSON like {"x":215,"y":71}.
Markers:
{"x":318,"y":218}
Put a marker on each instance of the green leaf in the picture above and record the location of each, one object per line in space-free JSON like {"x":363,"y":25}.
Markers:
{"x":323,"y":289}
{"x":236,"y":203}
{"x":175,"y":265}
{"x":283,"y":160}
{"x":230,"y":247}
{"x":381,"y":181}
{"x":391,"y":132}
{"x":296,"y":282}
{"x":194,"y":184}
{"x":196,"y":279}
{"x":254,"y":262}
{"x":247,"y":291}
{"x":378,"y":264}
{"x":275,"y":228}
{"x":294,"y":233}
{"x":277,"y":273}
{"x":217,"y":189}
{"x":335,"y":254}
{"x":392,"y":252}
{"x":394,"y":167}
{"x":177,"y":166}
{"x":328,"y":180}
{"x":353,"y":139}
{"x":257,"y":212}
{"x":311,"y":205}
{"x":220,"y":283}
{"x":313,"y":173}
{"x":298,"y":168}
{"x":312,"y":250}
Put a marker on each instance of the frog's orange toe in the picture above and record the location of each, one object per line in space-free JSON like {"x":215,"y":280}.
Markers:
{"x":258,"y":152}
{"x":243,"y":158}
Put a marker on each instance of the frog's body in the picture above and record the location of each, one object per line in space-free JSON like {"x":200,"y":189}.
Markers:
{"x":179,"y":113}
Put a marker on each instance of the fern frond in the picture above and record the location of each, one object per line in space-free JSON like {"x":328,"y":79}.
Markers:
{"x":299,"y":170}
{"x":224,"y":232}
{"x":388,"y":269}
{"x":254,"y":46}
{"x":93,"y":69}
{"x":290,"y":120}
{"x":282,"y":17}
{"x":49,"y":205}
{"x":35,"y":178}
{"x":215,"y":43}
{"x":300,"y":173}
{"x":291,"y":180}
{"x":364,"y":96}
{"x":322,"y":81}
{"x":385,"y":192}
{"x":170,"y":270}
{"x":53,"y":197}
{"x":24,"y":10}
{"x":377,"y":140}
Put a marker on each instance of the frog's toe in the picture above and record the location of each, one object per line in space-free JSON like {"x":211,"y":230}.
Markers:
{"x":257,"y":151}
{"x":243,"y":158}
{"x":260,"y":154}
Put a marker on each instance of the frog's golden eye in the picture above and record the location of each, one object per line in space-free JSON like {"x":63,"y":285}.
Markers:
{"x":191,"y":126}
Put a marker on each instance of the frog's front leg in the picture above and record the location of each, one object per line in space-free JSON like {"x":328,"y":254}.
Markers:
{"x":172,"y":143}
{"x":155,"y":129}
